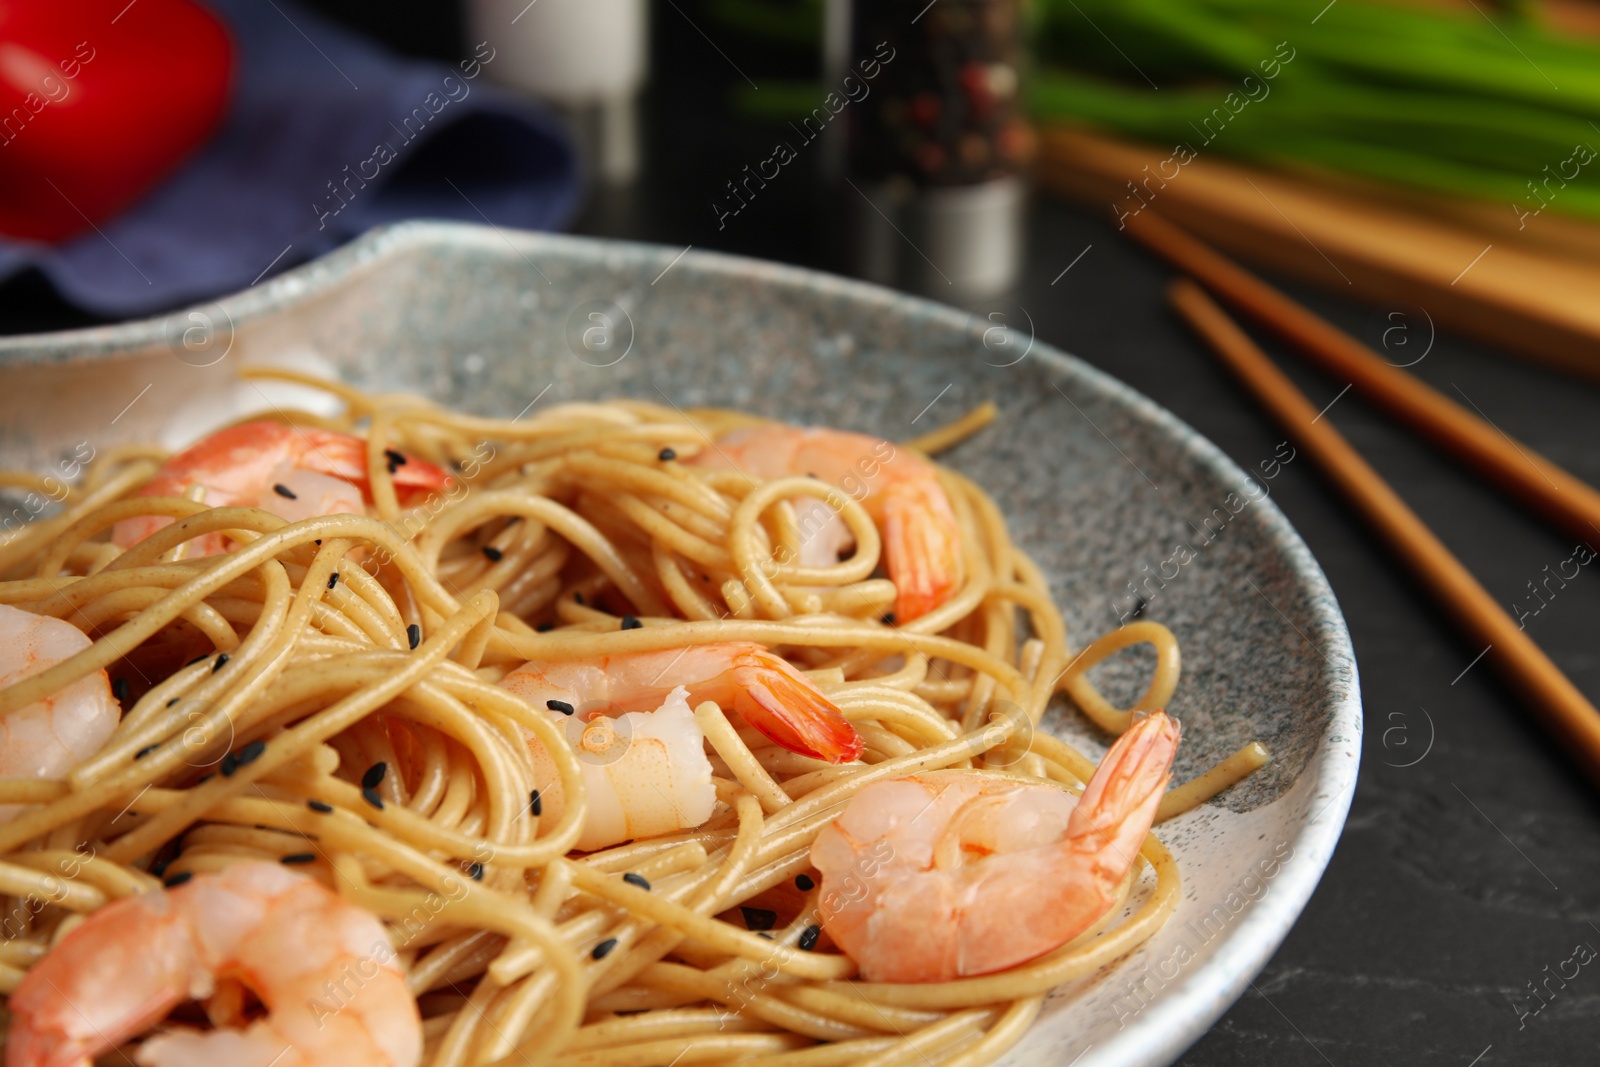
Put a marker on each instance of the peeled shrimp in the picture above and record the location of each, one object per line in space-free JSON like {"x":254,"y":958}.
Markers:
{"x":899,"y":490}
{"x":951,"y":874}
{"x":324,"y":970}
{"x":763,"y":687}
{"x":294,"y":472}
{"x":640,"y":751}
{"x":49,"y":737}
{"x":645,"y":773}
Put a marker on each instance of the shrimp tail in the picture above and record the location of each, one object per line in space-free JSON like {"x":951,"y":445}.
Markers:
{"x":1119,"y":803}
{"x":344,"y":456}
{"x":790,"y":710}
{"x":417,"y":477}
{"x":922,"y":547}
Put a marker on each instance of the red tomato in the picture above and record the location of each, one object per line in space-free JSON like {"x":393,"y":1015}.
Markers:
{"x":99,"y":100}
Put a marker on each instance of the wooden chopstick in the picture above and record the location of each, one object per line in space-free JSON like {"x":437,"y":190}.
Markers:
{"x":1563,"y":500}
{"x":1559,"y":705}
{"x":1532,"y":295}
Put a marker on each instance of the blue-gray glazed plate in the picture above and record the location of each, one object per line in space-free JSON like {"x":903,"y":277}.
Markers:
{"x":1099,"y":484}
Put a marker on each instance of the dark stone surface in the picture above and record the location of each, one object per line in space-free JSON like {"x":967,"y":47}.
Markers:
{"x":1470,"y":863}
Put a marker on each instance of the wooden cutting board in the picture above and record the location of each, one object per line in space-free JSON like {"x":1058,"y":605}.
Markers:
{"x":1533,"y":291}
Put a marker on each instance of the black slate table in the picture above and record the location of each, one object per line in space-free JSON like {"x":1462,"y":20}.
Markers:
{"x":1468,"y":876}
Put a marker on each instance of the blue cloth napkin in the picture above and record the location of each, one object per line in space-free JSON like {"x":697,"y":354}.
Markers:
{"x":326,"y":136}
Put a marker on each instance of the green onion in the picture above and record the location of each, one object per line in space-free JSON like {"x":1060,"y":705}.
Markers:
{"x":1436,"y":100}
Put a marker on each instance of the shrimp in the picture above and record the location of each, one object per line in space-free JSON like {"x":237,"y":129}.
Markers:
{"x":49,"y":737}
{"x":295,"y":472}
{"x":645,"y":771}
{"x":952,"y":874}
{"x":900,"y":491}
{"x":763,"y":687}
{"x":324,"y":970}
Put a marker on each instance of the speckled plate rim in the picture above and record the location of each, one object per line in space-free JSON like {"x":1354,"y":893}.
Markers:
{"x":1160,"y":1034}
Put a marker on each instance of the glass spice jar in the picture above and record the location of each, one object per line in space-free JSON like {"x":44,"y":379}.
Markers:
{"x":939,"y":146}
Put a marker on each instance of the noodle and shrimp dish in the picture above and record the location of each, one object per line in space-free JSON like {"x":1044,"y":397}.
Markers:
{"x":613,"y":734}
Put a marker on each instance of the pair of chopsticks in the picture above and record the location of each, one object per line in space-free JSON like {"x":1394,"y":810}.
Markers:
{"x":1563,"y":500}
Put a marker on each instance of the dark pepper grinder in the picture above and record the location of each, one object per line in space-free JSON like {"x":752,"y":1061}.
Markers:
{"x":936,"y":152}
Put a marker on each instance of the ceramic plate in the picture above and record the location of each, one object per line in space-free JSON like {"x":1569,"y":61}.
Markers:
{"x":1099,"y":484}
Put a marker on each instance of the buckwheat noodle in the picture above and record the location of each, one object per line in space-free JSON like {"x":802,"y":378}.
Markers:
{"x":496,"y":921}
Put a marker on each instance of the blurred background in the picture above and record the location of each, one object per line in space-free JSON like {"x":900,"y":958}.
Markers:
{"x":1422,"y":174}
{"x":1376,"y":149}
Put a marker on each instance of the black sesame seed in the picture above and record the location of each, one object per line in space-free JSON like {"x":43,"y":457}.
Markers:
{"x":251,"y":752}
{"x":536,"y":803}
{"x":631,"y":623}
{"x":888,"y":618}
{"x":294,"y":859}
{"x":603,"y":949}
{"x":178,"y":879}
{"x":374,"y":775}
{"x":414,"y":635}
{"x":396,"y":459}
{"x":229,"y":764}
{"x":804,"y":883}
{"x":544,"y":627}
{"x":119,"y":689}
{"x":318,"y":541}
{"x":759,"y":918}
{"x":578,"y":598}
{"x":171,"y":702}
{"x":637,"y":879}
{"x":667,"y":455}
{"x":284,"y":491}
{"x":494,"y":554}
{"x":333,"y":579}
{"x":763,"y":933}
{"x":371,"y":797}
{"x":560,"y":705}
{"x":319,"y":807}
{"x":222,"y":661}
{"x":808,"y":937}
{"x":475,"y":872}
{"x":146,"y":750}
